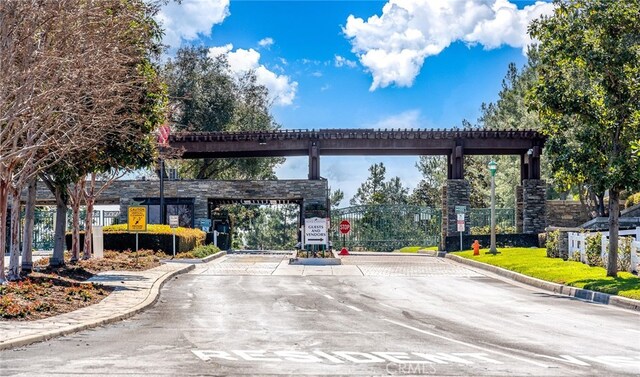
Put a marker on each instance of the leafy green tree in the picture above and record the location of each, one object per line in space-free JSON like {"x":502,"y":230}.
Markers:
{"x":371,"y":191}
{"x":588,"y":97}
{"x":204,"y":96}
{"x":335,"y":198}
{"x":434,"y":174}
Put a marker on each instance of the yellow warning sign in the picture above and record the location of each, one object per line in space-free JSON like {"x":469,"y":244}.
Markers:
{"x":137,"y":219}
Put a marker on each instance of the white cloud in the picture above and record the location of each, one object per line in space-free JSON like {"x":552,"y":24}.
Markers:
{"x":394,"y":45}
{"x":407,"y":119}
{"x":190,"y":19}
{"x":340,"y":61}
{"x":266,"y":42}
{"x":316,"y":74}
{"x":281,"y":89}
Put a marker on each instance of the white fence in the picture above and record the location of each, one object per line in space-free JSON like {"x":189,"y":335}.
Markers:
{"x":578,"y":244}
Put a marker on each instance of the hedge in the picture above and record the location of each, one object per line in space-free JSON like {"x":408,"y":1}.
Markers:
{"x":157,"y":238}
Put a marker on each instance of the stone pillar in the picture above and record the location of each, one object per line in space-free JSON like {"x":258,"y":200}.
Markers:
{"x":534,"y":206}
{"x":519,"y":208}
{"x":456,"y":192}
{"x":124,"y":209}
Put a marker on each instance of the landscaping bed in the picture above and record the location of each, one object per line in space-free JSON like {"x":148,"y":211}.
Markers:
{"x":47,"y":291}
{"x":315,"y":259}
{"x":535,"y":263}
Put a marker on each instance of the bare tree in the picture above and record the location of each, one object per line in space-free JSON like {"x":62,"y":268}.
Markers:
{"x":71,"y":75}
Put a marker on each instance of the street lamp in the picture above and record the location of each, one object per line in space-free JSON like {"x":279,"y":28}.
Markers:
{"x":493,"y":167}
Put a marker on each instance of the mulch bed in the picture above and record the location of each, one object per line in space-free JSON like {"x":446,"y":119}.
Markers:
{"x":50,"y":291}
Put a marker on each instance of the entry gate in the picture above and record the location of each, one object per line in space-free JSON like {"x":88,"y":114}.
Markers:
{"x":387,"y":227}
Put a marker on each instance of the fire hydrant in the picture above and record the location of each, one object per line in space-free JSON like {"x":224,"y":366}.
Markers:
{"x":476,"y":247}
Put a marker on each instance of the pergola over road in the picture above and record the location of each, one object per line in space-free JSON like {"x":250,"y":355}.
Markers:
{"x":454,"y":144}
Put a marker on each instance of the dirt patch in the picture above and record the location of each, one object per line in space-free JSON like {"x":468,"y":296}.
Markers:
{"x":50,"y":291}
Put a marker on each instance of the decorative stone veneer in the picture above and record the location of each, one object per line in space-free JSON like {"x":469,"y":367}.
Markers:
{"x":456,"y":192}
{"x":534,"y":206}
{"x":566,"y":213}
{"x":123,"y":192}
{"x":519,"y":206}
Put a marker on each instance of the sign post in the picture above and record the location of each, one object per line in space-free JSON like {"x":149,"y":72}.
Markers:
{"x":345,"y":228}
{"x":137,"y":222}
{"x":174,"y":220}
{"x":460,"y":211}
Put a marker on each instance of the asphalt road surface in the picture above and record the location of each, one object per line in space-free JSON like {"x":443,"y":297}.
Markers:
{"x":255,"y":315}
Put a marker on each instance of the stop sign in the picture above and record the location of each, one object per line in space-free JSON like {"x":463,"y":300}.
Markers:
{"x":345,"y":227}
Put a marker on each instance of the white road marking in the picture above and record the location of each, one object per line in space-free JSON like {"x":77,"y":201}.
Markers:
{"x":385,"y":305}
{"x":465,"y":343}
{"x":353,"y":308}
{"x":329,"y":297}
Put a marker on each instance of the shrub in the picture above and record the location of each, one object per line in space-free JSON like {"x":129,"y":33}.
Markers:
{"x":158,"y":238}
{"x":632,"y":200}
{"x":594,"y":249}
{"x":199,"y":252}
{"x":553,"y":244}
{"x":624,"y":253}
{"x":478,"y":230}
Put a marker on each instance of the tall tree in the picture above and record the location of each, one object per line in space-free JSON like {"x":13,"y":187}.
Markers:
{"x":434,"y":174}
{"x":205,"y":96}
{"x":588,"y":96}
{"x":372,"y":190}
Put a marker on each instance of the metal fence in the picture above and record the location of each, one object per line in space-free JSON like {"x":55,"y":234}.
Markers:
{"x":481,"y":218}
{"x":387,"y":227}
{"x":44,"y":225}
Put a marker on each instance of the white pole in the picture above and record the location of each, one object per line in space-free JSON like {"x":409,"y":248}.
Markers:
{"x":136,"y":242}
{"x":174,"y":242}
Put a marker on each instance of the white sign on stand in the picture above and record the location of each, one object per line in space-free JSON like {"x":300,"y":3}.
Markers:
{"x":174,"y":221}
{"x":315,"y":231}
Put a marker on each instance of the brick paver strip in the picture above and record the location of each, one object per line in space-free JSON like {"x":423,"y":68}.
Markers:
{"x":135,"y":291}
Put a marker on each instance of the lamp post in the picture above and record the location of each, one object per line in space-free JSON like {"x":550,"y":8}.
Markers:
{"x":493,"y":167}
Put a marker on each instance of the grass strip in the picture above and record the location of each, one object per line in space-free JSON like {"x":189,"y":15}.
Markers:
{"x":535,"y":263}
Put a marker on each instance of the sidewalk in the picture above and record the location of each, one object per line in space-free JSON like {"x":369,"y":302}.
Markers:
{"x":135,"y":290}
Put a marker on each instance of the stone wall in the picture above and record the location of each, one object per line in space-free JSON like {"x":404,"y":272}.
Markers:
{"x":519,"y":207}
{"x":123,"y":192}
{"x":455,"y":193}
{"x":534,"y":204}
{"x":566,"y":213}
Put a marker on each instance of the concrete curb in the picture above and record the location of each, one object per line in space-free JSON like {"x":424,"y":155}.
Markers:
{"x":584,"y":294}
{"x":152,"y":298}
{"x":197,"y":260}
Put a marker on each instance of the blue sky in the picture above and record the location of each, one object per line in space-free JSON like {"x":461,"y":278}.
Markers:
{"x":357,"y":64}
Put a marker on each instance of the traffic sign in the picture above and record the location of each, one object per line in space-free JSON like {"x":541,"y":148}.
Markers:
{"x":460,"y":225}
{"x":174,"y":221}
{"x":137,"y":219}
{"x":461,"y":209}
{"x":460,"y":216}
{"x":345,"y":227}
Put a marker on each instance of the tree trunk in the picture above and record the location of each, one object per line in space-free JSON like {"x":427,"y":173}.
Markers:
{"x":89,"y":200}
{"x":29,"y":217}
{"x":59,"y":246}
{"x":614,"y":226}
{"x":4,"y":201}
{"x":601,"y":209}
{"x":88,"y":229}
{"x":75,"y":230}
{"x":14,"y":262}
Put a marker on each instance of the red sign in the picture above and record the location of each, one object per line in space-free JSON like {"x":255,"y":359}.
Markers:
{"x":345,"y":227}
{"x":163,"y":135}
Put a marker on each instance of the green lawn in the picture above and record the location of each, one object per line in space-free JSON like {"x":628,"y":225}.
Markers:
{"x":414,"y":249}
{"x":534,"y":262}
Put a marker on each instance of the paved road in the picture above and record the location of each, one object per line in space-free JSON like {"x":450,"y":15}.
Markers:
{"x":253,"y":315}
